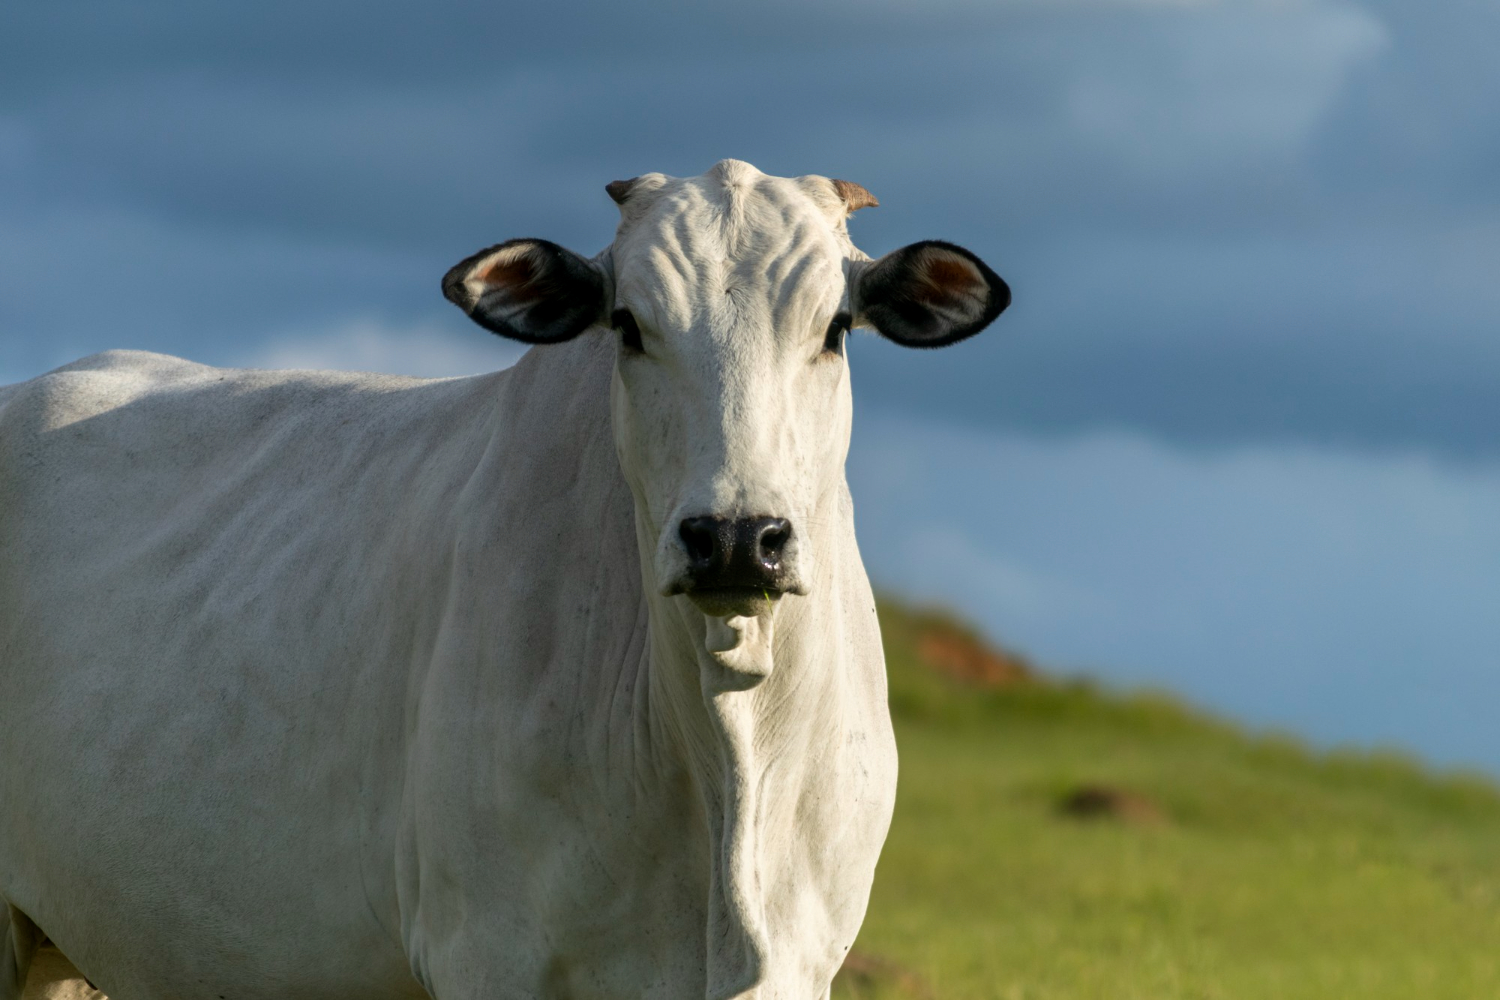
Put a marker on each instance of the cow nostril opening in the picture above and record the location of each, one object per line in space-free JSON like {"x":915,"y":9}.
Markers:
{"x":701,"y":538}
{"x":774,"y":535}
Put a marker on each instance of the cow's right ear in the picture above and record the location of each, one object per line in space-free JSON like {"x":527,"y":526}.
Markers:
{"x":529,"y":290}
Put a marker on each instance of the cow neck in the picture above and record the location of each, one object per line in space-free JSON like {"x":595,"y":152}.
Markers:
{"x":784,"y":733}
{"x":749,"y":750}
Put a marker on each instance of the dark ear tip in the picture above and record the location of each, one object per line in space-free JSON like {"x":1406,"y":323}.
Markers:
{"x":618,"y":191}
{"x":454,"y":289}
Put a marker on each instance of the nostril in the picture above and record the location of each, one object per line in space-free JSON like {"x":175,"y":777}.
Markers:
{"x":700,"y":536}
{"x":774,"y":533}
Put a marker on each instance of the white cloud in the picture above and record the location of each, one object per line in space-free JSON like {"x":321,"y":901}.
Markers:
{"x":366,"y":345}
{"x":1347,"y":597}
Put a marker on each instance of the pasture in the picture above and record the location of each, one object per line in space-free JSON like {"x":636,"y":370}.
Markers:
{"x":1212,"y":864}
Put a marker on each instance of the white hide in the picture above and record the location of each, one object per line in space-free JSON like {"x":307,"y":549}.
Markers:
{"x":320,"y":685}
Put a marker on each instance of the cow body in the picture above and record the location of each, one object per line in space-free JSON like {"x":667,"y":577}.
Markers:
{"x":321,"y":685}
{"x":323,"y":759}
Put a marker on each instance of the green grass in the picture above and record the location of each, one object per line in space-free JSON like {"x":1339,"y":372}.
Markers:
{"x":1269,"y":872}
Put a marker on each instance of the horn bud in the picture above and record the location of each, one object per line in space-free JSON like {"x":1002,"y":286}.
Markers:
{"x":620,"y":190}
{"x":855,"y":196}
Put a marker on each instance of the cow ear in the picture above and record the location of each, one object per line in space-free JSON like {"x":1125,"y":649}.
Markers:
{"x":929,"y":294}
{"x":528,"y":290}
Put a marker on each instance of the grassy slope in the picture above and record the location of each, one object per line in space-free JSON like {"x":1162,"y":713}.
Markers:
{"x":1272,"y":872}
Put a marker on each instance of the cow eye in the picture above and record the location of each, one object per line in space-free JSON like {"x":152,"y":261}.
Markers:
{"x":833,"y":340}
{"x":630,"y":333}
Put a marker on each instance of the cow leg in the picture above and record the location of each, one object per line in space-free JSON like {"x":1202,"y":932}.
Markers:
{"x":18,"y":940}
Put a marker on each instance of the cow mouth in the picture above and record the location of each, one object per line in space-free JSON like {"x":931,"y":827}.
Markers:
{"x":724,"y":602}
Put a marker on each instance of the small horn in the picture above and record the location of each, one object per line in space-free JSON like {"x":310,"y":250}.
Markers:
{"x":620,"y":190}
{"x":855,"y":196}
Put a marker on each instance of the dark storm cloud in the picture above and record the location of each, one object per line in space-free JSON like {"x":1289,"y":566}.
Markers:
{"x":1224,"y":221}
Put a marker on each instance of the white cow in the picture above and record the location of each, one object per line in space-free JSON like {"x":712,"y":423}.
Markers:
{"x":563,"y":681}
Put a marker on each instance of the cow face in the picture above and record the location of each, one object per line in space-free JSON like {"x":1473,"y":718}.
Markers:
{"x":730,"y":296}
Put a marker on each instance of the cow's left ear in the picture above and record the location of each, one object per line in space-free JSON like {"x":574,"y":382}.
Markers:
{"x":529,"y":290}
{"x":929,"y":294}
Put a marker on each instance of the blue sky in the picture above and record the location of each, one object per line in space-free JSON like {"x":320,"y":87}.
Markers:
{"x":1238,"y":435}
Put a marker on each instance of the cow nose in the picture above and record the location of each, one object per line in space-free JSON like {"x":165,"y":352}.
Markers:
{"x":726,"y":553}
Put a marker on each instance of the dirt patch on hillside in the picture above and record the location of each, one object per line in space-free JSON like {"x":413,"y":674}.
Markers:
{"x":965,"y":658}
{"x":1106,"y":802}
{"x":870,"y":977}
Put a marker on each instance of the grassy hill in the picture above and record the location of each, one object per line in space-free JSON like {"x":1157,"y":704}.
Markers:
{"x":1053,"y":840}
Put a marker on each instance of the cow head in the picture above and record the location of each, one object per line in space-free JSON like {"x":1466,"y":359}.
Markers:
{"x":730,"y":297}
